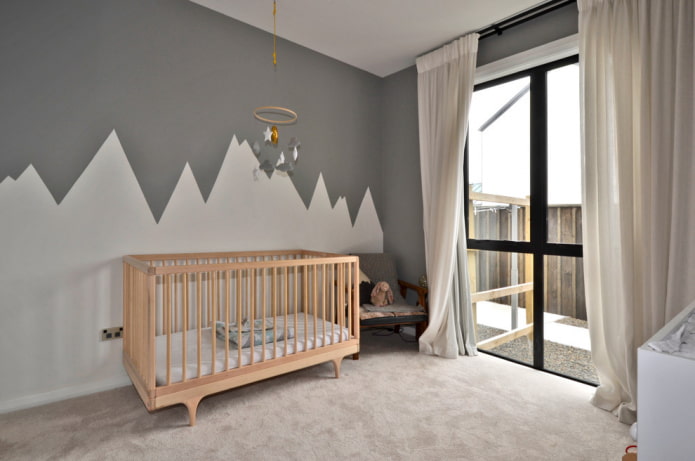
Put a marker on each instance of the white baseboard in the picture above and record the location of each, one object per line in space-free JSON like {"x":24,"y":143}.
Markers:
{"x":35,"y":400}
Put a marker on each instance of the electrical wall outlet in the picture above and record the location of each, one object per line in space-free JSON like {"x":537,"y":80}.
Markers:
{"x":108,"y":334}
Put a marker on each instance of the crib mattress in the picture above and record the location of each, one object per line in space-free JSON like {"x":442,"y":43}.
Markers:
{"x":304,"y":339}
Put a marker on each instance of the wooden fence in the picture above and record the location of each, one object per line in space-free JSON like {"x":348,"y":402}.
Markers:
{"x":492,"y":270}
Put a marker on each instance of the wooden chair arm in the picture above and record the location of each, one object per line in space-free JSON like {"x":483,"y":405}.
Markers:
{"x":421,"y":292}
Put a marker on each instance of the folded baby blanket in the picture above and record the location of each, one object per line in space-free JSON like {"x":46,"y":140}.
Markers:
{"x":262,"y":331}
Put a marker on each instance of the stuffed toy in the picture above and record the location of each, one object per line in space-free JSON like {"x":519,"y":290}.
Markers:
{"x":382,"y":295}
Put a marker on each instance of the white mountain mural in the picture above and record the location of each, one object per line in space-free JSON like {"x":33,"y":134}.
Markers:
{"x":61,"y":273}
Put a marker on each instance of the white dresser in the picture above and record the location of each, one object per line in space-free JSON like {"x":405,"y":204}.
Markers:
{"x":666,"y":400}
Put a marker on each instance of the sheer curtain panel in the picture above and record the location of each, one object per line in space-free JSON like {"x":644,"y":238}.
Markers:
{"x":637,"y":61}
{"x":445,"y":87}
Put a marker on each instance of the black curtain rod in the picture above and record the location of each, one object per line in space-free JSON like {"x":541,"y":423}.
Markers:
{"x":520,"y":18}
{"x":524,"y":16}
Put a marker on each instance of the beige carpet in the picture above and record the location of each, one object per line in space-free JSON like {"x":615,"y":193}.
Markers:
{"x":393,"y":403}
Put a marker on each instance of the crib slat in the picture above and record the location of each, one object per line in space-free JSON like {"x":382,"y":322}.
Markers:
{"x":323,"y":302}
{"x":209,"y":305}
{"x":274,"y":300}
{"x":184,"y":294}
{"x":331,"y":300}
{"x":268,"y":304}
{"x":239,"y":274}
{"x":296,"y":307}
{"x":176,"y":305}
{"x":315,"y":301}
{"x":348,"y":297}
{"x":353,"y":283}
{"x":213,"y":307}
{"x":341,"y":296}
{"x":305,"y":303}
{"x":285,"y":301}
{"x":352,"y":294}
{"x":166,"y":307}
{"x":227,"y":308}
{"x":252,"y":315}
{"x":264,"y":303}
{"x":328,"y":284}
{"x":199,"y":321}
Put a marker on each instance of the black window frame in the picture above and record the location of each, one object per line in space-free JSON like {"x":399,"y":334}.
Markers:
{"x":538,"y":246}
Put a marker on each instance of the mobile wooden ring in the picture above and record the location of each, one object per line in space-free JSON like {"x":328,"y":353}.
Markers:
{"x":292,"y":115}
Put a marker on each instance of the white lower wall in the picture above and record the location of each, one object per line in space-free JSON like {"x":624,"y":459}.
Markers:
{"x":61,"y":273}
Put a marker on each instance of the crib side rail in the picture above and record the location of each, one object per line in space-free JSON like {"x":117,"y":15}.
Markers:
{"x":193,"y":262}
{"x":231,"y":256}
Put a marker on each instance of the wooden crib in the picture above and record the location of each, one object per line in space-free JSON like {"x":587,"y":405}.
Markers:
{"x":200,"y":323}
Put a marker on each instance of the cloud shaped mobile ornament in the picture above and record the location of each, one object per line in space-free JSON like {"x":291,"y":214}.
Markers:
{"x":271,"y":137}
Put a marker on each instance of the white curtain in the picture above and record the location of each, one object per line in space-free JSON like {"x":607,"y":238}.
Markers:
{"x":445,"y":87}
{"x":637,"y":62}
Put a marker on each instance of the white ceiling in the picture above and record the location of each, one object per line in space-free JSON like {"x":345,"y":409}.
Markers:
{"x":379,"y":36}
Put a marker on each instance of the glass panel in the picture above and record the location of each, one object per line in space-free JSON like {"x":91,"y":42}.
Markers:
{"x":566,"y":349}
{"x":498,"y":162}
{"x":564,"y":156}
{"x":504,"y":319}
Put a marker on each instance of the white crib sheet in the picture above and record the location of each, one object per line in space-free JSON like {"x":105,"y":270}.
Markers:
{"x":327,"y":333}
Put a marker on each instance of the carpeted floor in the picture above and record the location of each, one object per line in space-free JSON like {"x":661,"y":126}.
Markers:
{"x":393,"y":403}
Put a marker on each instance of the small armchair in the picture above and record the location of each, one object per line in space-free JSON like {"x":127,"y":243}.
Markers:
{"x":382,"y":267}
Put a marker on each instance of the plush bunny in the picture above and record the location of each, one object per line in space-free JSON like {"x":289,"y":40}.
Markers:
{"x":382,"y":295}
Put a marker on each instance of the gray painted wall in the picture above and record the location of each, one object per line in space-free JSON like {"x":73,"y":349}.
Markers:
{"x":167,"y":83}
{"x":402,"y":210}
{"x":176,"y":81}
{"x":402,"y":207}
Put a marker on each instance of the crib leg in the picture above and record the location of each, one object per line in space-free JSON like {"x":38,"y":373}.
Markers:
{"x":336,"y":366}
{"x":192,"y":406}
